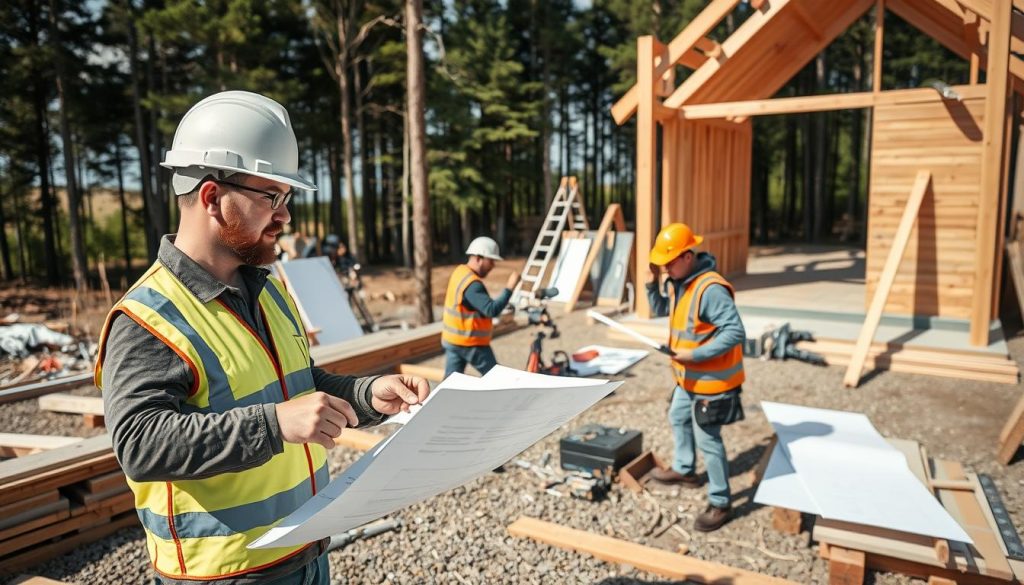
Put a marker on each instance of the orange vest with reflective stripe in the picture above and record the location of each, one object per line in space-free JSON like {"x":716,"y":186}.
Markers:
{"x":717,"y":374}
{"x":463,"y":325}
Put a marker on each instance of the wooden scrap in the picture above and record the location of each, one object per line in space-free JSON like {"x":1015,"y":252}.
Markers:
{"x":786,"y":521}
{"x":36,"y":580}
{"x":658,"y":561}
{"x":28,"y":365}
{"x":1012,"y":435}
{"x":635,"y":474}
{"x":70,"y":403}
{"x":845,"y":566}
{"x":17,"y":444}
{"x":94,"y":421}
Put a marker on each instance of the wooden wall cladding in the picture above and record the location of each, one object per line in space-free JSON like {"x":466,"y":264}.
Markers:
{"x":706,"y":184}
{"x":936,"y":276}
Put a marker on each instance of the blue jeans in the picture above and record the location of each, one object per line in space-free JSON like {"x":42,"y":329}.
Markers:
{"x":688,"y":435}
{"x":456,"y":357}
{"x":316,"y":573}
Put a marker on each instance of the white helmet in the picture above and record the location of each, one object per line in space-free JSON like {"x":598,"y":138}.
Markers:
{"x":236,"y":132}
{"x":483,"y":246}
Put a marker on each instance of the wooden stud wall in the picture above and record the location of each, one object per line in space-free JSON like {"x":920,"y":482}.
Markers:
{"x":706,"y":184}
{"x":936,"y":276}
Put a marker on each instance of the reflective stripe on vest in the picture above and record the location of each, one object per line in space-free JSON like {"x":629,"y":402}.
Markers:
{"x":463,"y":326}
{"x":719,"y":374}
{"x":199,"y":528}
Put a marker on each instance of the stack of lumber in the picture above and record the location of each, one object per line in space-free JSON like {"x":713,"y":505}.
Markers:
{"x":963,"y":364}
{"x":54,"y":501}
{"x":951,"y":363}
{"x":853,"y":547}
{"x":384,"y":351}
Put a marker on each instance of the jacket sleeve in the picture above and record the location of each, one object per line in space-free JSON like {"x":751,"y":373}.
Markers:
{"x":155,"y":435}
{"x":657,"y":301}
{"x":477,"y":298}
{"x":717,"y":307}
{"x":355,"y":391}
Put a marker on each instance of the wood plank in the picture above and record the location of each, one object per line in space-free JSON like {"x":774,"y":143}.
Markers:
{"x":36,"y":580}
{"x":657,"y":561}
{"x":1012,"y":434}
{"x":71,"y":403}
{"x":646,"y":130}
{"x":964,"y":508}
{"x":49,"y":386}
{"x":994,"y":141}
{"x":29,"y":503}
{"x":23,"y":467}
{"x":106,"y":481}
{"x":921,"y":188}
{"x":30,"y":520}
{"x":42,"y":442}
{"x":845,"y":566}
{"x":44,"y":552}
{"x":876,"y":55}
{"x":1015,"y":260}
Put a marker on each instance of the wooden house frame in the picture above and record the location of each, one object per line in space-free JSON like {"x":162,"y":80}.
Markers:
{"x":952,"y":267}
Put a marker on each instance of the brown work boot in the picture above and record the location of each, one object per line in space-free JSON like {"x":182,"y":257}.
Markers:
{"x":673,"y":477}
{"x":712,"y":519}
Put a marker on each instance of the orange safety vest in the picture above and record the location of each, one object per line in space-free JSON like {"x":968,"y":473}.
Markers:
{"x":462,"y":325}
{"x":717,"y":374}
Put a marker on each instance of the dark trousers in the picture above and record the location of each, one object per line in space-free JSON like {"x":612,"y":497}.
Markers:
{"x":481,"y":357}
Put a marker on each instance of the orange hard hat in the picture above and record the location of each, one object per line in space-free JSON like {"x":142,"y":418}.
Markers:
{"x":673,"y":240}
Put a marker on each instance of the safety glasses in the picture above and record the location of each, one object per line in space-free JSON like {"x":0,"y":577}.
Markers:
{"x":277,"y":199}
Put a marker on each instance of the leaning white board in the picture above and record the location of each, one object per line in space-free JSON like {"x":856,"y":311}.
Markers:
{"x":315,"y":287}
{"x":569,"y":268}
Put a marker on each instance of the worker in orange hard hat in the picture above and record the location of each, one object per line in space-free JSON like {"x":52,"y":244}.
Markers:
{"x":706,"y":336}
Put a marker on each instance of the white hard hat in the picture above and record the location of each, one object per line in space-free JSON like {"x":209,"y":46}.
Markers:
{"x":483,"y":246}
{"x":236,"y":132}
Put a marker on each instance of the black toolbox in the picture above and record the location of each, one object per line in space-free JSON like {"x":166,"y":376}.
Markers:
{"x":596,"y":447}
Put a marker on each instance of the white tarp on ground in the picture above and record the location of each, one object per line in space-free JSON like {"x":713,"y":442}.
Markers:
{"x":319,"y":294}
{"x":18,"y":340}
{"x":609,"y":360}
{"x":467,"y":427}
{"x":837,"y":465}
{"x":569,"y":268}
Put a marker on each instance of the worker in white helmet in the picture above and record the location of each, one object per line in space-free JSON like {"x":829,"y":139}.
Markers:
{"x":469,"y":309}
{"x":217,"y":414}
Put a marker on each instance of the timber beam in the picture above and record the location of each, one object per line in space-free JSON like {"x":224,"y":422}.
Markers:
{"x":682,"y":45}
{"x":818,"y":103}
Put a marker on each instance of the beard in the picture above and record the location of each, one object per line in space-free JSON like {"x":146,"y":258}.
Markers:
{"x":251,"y":250}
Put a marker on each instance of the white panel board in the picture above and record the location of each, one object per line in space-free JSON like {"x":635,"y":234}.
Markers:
{"x":315,"y":287}
{"x":569,"y":267}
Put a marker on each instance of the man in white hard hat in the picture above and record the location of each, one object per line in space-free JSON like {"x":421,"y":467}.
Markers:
{"x":217,"y":414}
{"x":468,"y":310}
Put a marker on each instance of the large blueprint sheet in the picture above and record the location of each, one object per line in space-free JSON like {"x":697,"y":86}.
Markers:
{"x":466,"y":427}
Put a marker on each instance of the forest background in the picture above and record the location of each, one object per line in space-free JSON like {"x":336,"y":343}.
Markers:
{"x":517,"y":95}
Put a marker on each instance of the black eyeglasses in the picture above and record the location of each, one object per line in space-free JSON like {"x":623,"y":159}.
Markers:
{"x":277,"y":199}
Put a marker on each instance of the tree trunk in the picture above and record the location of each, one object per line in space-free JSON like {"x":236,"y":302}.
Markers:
{"x":415,"y":95}
{"x":5,"y":250}
{"x":369,"y":215}
{"x":124,"y":212}
{"x":43,"y":160}
{"x":158,"y":206}
{"x":406,"y":240}
{"x":341,"y":74}
{"x":337,"y":223}
{"x":141,"y":144}
{"x":79,"y":267}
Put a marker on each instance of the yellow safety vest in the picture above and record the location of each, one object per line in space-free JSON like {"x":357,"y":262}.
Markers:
{"x":199,"y":528}
{"x":717,"y":374}
{"x":463,"y":325}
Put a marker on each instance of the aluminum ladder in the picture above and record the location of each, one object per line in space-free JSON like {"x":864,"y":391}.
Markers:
{"x":566,"y":211}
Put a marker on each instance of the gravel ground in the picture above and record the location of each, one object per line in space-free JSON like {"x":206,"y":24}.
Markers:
{"x":460,"y":537}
